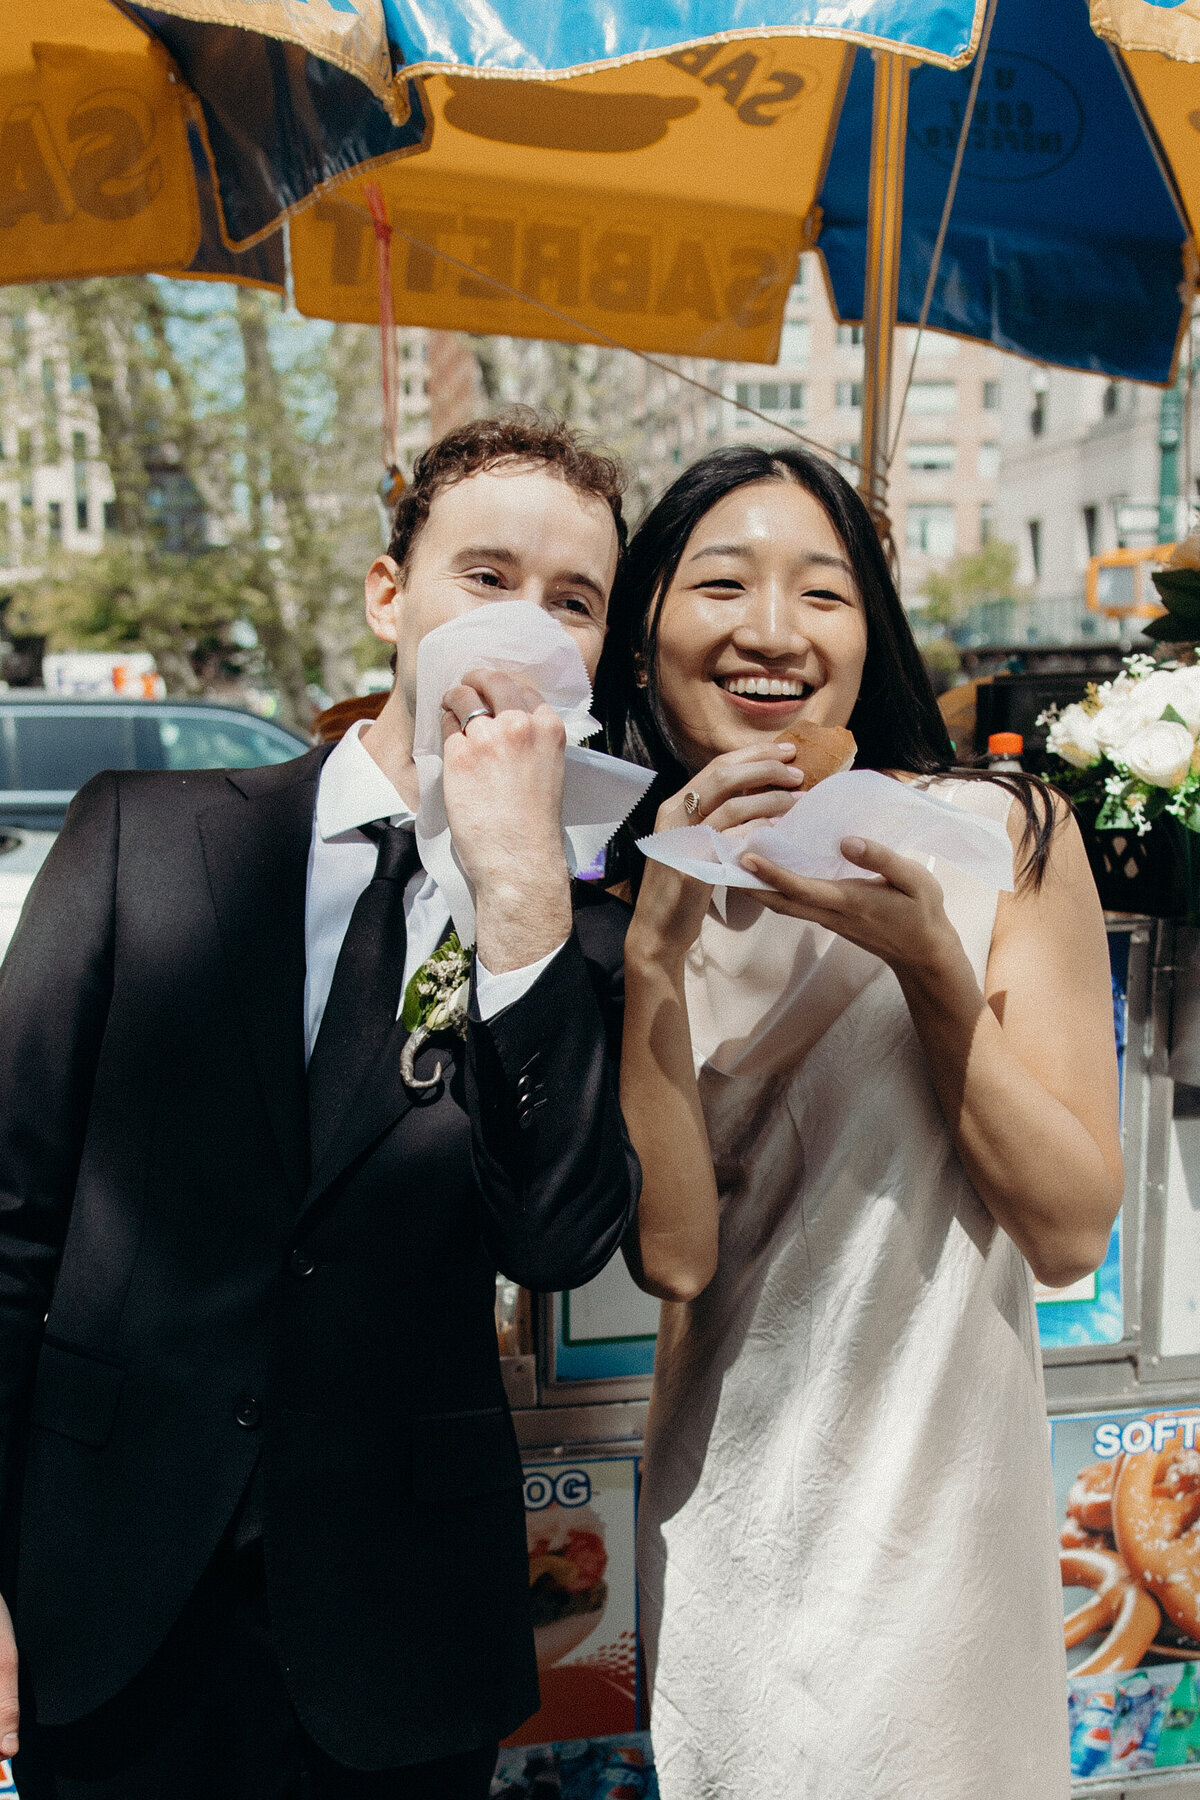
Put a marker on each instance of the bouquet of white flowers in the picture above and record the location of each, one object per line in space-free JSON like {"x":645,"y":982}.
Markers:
{"x":1133,"y":763}
{"x":1133,"y":740}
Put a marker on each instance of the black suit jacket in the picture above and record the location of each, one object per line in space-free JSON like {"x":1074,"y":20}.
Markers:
{"x":210,"y":1296}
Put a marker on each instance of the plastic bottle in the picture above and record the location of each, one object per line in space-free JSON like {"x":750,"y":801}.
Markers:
{"x":1137,"y":1722}
{"x":1178,"y":1722}
{"x":1091,"y":1740}
{"x":1004,"y":750}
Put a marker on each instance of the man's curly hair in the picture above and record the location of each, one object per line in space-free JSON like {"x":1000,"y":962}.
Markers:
{"x":519,"y":435}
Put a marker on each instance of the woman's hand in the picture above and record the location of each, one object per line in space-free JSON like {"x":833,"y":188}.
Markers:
{"x":898,"y":917}
{"x":740,"y":787}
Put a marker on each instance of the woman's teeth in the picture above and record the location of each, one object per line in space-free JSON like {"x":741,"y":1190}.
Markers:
{"x":766,"y":687}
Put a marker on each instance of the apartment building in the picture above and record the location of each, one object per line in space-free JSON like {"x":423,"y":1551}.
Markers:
{"x":1081,"y":461}
{"x":945,"y":475}
{"x":55,"y":489}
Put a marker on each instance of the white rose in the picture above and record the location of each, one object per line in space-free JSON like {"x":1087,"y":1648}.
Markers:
{"x":1160,"y":754}
{"x":1073,"y":737}
{"x":1185,"y":696}
{"x":1141,"y":703}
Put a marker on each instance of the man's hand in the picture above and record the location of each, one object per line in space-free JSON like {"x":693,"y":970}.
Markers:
{"x":503,"y":785}
{"x":10,"y":1712}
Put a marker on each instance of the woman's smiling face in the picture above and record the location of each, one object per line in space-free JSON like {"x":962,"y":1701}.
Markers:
{"x":762,"y":624}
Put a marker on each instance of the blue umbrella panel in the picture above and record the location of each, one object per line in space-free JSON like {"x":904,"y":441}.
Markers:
{"x":531,"y":37}
{"x":281,"y":124}
{"x":1067,"y":242}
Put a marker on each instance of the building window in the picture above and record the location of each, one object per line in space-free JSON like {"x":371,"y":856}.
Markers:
{"x":800,"y":285}
{"x":1037,"y":414}
{"x":110,"y":515}
{"x":79,"y":458}
{"x":849,"y":394}
{"x":930,"y":459}
{"x":991,"y":396}
{"x":986,"y":522}
{"x":987,"y":462}
{"x":849,"y":456}
{"x":1034,"y":528}
{"x":850,"y":335}
{"x":796,"y":344}
{"x":54,"y":521}
{"x":931,"y":530}
{"x":933,"y":397}
{"x":771,"y":396}
{"x":50,"y":442}
{"x":1091,"y":529}
{"x":1110,"y":400}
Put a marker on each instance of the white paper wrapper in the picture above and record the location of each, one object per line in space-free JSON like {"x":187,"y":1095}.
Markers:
{"x":859,"y":803}
{"x":517,"y":638}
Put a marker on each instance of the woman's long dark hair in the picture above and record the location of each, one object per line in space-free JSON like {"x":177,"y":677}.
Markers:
{"x":896,"y":722}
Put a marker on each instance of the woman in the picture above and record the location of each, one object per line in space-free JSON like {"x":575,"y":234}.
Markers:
{"x":906,"y":1099}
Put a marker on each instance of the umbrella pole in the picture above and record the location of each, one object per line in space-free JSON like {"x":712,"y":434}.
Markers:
{"x":885,"y":206}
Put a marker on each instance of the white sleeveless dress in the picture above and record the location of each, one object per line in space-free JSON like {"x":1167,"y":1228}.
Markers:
{"x":847,"y":1540}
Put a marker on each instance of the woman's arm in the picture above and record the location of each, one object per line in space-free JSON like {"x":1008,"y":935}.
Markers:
{"x":672,"y":1247}
{"x":1025,"y":1070}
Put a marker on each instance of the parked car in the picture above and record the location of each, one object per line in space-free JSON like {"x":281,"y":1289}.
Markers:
{"x":51,"y":744}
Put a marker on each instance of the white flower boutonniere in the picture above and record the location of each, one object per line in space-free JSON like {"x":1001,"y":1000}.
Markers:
{"x":435,"y":1000}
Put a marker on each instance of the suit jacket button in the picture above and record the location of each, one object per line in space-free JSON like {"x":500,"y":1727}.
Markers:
{"x":248,"y":1412}
{"x":301,"y":1264}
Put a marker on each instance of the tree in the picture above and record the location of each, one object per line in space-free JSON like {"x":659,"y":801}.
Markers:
{"x":988,"y":573}
{"x":241,"y":444}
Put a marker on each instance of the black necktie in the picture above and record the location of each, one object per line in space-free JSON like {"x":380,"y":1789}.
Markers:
{"x":365,"y":994}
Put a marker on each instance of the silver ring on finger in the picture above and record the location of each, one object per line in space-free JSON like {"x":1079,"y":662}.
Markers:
{"x":691,"y":804}
{"x":478,"y":712}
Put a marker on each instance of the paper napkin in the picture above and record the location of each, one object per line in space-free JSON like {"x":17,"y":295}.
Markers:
{"x":517,"y":638}
{"x":858,"y":803}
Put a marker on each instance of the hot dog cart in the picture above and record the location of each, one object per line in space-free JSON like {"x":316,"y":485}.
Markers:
{"x":1122,"y":1363}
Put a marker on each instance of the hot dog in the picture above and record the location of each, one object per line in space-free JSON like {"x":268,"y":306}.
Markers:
{"x":821,"y":750}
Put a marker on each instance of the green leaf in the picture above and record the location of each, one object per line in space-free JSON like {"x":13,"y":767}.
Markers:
{"x":410,"y":1012}
{"x":1114,"y":815}
{"x":1174,"y":717}
{"x":1156,"y":802}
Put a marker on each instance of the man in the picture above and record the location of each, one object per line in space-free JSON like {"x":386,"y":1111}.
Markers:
{"x":271,"y":1536}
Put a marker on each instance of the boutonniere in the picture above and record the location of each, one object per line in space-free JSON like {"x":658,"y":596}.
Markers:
{"x":435,"y":1000}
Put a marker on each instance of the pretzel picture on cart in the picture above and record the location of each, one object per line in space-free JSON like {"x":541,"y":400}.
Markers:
{"x":1132,"y":1536}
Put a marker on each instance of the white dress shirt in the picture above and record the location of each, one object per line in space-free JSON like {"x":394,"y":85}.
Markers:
{"x":352,"y":791}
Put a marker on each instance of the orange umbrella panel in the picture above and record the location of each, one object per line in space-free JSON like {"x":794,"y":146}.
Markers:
{"x":661,"y":205}
{"x":96,"y":173}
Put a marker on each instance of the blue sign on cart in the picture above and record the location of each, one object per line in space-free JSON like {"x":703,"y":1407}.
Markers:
{"x":1090,"y":1311}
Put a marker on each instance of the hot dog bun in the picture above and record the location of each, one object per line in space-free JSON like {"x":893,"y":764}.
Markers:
{"x":821,"y":750}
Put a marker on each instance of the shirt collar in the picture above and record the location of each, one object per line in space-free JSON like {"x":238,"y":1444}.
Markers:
{"x":353,"y":789}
